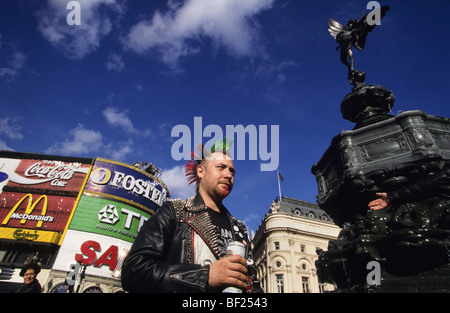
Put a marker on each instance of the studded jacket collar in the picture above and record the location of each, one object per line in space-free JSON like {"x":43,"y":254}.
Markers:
{"x":193,"y":212}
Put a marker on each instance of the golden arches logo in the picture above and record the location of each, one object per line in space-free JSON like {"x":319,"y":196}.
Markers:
{"x":29,"y":209}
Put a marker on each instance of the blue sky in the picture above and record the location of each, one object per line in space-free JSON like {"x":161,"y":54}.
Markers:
{"x":116,"y":85}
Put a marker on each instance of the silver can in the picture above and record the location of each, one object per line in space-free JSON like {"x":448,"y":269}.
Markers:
{"x":235,"y":248}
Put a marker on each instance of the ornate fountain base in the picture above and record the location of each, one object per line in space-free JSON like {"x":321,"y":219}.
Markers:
{"x":408,"y":243}
{"x":406,"y":247}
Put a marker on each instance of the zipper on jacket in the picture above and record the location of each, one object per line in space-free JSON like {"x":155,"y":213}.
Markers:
{"x":178,"y":277}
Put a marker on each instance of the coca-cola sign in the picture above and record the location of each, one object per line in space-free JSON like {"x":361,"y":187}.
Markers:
{"x":49,"y":174}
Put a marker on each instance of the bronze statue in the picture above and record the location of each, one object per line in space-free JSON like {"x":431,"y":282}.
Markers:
{"x":365,"y":103}
{"x":387,"y":184}
{"x":354,"y":33}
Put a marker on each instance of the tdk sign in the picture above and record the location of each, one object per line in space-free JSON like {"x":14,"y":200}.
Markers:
{"x":108,"y":215}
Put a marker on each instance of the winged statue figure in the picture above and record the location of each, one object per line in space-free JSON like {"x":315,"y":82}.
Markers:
{"x":353,"y":34}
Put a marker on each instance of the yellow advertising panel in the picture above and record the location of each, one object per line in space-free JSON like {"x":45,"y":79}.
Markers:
{"x":29,"y":235}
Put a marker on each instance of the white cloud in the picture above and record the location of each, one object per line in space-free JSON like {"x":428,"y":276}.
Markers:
{"x":177,"y":32}
{"x":120,"y":119}
{"x":82,"y":141}
{"x":14,"y":65}
{"x":119,"y":151}
{"x":3,"y":146}
{"x":89,"y":142}
{"x":175,"y":180}
{"x":115,"y":63}
{"x":249,"y":218}
{"x":9,"y":127}
{"x":77,"y":41}
{"x":275,"y":69}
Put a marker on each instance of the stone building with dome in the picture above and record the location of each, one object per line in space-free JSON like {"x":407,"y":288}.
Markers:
{"x":284,"y":246}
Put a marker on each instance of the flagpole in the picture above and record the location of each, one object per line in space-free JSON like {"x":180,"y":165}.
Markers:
{"x":279,"y":185}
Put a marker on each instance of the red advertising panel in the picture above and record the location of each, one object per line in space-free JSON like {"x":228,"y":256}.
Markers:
{"x":49,"y":174}
{"x":35,"y":211}
{"x":46,"y":215}
{"x":39,"y":196}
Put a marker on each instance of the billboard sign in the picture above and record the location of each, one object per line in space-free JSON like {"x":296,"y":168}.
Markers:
{"x":103,"y":256}
{"x":49,"y":174}
{"x":107,"y":217}
{"x":127,"y":184}
{"x":117,"y":200}
{"x":27,"y":216}
{"x":7,"y":167}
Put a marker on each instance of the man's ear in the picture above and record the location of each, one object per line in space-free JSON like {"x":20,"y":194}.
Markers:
{"x":200,"y":171}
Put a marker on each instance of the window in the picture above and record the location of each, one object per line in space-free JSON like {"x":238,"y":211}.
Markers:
{"x":305,"y":284}
{"x":277,"y":245}
{"x":93,"y":290}
{"x":302,"y":248}
{"x":321,"y":287}
{"x":280,"y":283}
{"x":61,"y":288}
{"x":17,"y":253}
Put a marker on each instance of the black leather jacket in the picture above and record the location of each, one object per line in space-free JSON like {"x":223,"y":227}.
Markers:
{"x":33,"y":287}
{"x":161,"y":258}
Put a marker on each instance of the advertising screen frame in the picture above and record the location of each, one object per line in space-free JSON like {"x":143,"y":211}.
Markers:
{"x":126,"y":183}
{"x":102,"y":255}
{"x":103,"y":216}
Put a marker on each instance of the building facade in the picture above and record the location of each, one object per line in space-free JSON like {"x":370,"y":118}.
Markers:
{"x":284,"y":246}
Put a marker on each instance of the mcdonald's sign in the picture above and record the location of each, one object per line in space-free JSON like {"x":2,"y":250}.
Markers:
{"x":28,"y":215}
{"x":35,"y":211}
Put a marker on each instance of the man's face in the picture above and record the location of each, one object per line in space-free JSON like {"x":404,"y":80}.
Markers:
{"x":216,"y":175}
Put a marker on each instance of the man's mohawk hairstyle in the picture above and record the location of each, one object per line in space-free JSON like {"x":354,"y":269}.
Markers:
{"x":199,"y":154}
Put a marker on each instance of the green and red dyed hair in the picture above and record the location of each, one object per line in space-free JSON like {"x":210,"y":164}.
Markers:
{"x":199,"y":154}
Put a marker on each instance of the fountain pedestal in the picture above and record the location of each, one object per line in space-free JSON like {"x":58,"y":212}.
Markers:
{"x":409,"y":241}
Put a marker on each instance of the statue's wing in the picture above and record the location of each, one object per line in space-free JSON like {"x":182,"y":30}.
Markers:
{"x":335,"y":28}
{"x":363,"y":28}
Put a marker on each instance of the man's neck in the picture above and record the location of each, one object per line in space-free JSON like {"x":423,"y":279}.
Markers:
{"x":209,"y":202}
